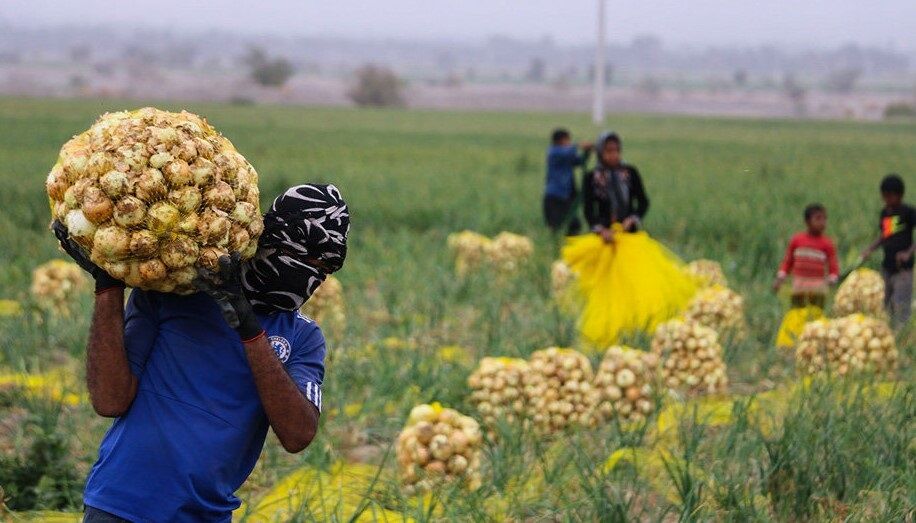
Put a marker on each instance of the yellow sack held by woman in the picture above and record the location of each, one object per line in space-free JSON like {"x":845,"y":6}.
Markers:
{"x":632,"y":284}
{"x":794,"y":322}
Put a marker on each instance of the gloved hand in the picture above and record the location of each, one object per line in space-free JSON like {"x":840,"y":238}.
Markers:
{"x":103,"y":280}
{"x":225,"y":287}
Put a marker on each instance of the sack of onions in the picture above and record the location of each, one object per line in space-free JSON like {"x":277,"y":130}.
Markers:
{"x":55,"y":284}
{"x":691,"y":357}
{"x":438,"y":446}
{"x":497,"y":389}
{"x":707,"y":272}
{"x":558,"y":390}
{"x":718,"y":307}
{"x":853,"y":344}
{"x":625,"y":382}
{"x":862,"y":292}
{"x":326,"y":306}
{"x":151,"y":195}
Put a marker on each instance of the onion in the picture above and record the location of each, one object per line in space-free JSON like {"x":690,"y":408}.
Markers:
{"x":57,"y":183}
{"x":180,"y":252}
{"x":158,"y":160}
{"x":220,"y":196}
{"x":96,"y":206}
{"x":80,"y":228}
{"x":114,"y":183}
{"x":202,"y":172}
{"x":143,"y":243}
{"x":151,"y":186}
{"x":177,"y":173}
{"x":130,"y":211}
{"x":244,"y":212}
{"x":186,"y":199}
{"x":189,"y":224}
{"x":152,"y":270}
{"x":111,"y":242}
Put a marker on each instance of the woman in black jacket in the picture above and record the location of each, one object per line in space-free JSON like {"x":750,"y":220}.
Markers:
{"x":613,"y":192}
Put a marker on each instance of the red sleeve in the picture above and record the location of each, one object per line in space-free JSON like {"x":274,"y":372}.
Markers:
{"x":786,"y":266}
{"x":834,"y":266}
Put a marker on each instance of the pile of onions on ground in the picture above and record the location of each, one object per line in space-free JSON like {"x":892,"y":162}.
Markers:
{"x":504,"y":253}
{"x":849,"y":345}
{"x":326,"y":306}
{"x":707,"y":272}
{"x":861,"y":292}
{"x":55,"y":285}
{"x":558,"y":390}
{"x":626,"y":384}
{"x":152,"y":195}
{"x":437,"y":446}
{"x":718,"y":307}
{"x":497,"y":389}
{"x":691,"y":357}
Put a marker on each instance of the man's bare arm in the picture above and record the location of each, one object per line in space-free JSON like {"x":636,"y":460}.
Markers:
{"x":112,"y":386}
{"x":293,"y":418}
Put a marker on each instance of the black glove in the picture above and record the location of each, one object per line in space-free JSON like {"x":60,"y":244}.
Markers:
{"x":103,"y":280}
{"x":225,"y":288}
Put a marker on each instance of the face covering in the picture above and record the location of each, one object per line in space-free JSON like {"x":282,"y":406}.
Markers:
{"x":304,"y":240}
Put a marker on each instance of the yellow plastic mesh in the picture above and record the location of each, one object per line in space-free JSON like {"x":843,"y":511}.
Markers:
{"x":632,"y":284}
{"x":794,"y":322}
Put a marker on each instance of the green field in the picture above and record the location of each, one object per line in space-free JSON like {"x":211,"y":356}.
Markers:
{"x":726,"y":189}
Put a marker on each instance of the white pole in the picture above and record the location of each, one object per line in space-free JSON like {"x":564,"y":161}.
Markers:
{"x":598,"y":94}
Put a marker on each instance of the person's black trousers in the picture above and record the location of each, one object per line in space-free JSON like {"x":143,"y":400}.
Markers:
{"x":556,"y":214}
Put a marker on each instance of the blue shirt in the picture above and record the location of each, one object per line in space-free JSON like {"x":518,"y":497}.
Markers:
{"x":196,"y":427}
{"x":561,"y":160}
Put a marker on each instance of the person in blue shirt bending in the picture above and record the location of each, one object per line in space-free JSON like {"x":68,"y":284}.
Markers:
{"x":193,"y":382}
{"x":560,"y":188}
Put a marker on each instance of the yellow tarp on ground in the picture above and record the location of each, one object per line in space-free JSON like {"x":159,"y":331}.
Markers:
{"x":794,"y":322}
{"x":340,"y":493}
{"x":46,"y":516}
{"x":632,"y":284}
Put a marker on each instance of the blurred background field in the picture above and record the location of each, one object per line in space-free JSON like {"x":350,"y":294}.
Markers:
{"x":727,"y":189}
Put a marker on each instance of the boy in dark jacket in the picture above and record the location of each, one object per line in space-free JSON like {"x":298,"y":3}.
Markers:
{"x":560,"y":188}
{"x":896,"y":237}
{"x":613,"y":192}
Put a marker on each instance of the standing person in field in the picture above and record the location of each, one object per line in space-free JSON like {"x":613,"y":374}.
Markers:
{"x":811,"y":260}
{"x":193,"y":382}
{"x":613,"y":193}
{"x":896,"y":237}
{"x":628,"y":281}
{"x":560,"y":187}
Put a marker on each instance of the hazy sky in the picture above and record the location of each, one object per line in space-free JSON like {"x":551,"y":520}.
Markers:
{"x":807,"y":22}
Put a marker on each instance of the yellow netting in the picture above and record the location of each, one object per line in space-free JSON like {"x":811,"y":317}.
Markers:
{"x":794,"y":322}
{"x":343,"y":493}
{"x":632,"y":284}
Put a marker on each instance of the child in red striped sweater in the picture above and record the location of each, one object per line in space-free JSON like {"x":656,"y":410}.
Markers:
{"x":812,"y":262}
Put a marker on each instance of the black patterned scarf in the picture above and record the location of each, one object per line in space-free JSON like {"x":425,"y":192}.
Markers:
{"x":304,"y":240}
